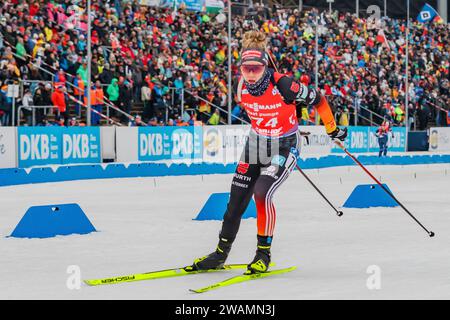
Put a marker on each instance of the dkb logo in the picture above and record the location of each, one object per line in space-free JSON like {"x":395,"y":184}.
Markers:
{"x":35,"y":147}
{"x":183,"y":144}
{"x":76,"y":146}
{"x":151,"y":144}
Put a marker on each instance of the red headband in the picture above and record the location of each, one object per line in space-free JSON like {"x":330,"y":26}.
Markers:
{"x":254,"y":55}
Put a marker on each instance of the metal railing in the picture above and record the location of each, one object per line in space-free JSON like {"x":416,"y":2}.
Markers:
{"x":42,"y":62}
{"x":108,"y":104}
{"x":33,"y":112}
{"x":23,"y":83}
{"x":34,"y":65}
{"x":212,"y":104}
{"x":111,"y":121}
{"x":438,"y":108}
{"x":372,"y":115}
{"x":351,"y":104}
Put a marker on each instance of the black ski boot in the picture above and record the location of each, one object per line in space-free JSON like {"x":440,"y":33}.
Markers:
{"x":216,"y":259}
{"x":261,"y":262}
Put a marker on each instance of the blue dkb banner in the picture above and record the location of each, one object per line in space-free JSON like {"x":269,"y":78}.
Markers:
{"x":357,"y":141}
{"x":396,"y":142}
{"x":58,"y":145}
{"x":164,"y":143}
{"x":363,"y":139}
{"x":81,"y":145}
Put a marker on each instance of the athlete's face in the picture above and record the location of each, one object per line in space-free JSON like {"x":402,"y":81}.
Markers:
{"x":252,"y":71}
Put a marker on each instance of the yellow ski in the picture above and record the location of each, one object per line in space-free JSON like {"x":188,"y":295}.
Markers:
{"x":175,"y":272}
{"x":241,"y":278}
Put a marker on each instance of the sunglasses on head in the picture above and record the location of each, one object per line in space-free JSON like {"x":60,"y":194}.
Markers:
{"x":252,"y":68}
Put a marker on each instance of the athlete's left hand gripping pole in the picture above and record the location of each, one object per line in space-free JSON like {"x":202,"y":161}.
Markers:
{"x":430,"y":233}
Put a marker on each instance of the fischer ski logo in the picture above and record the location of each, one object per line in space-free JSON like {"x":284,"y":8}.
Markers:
{"x":118,"y":279}
{"x":168,"y":273}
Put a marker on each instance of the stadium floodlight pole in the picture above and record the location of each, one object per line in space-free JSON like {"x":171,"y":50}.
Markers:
{"x":230,"y":94}
{"x":330,"y":8}
{"x":316,"y":53}
{"x":316,"y":76}
{"x":385,"y":6}
{"x":89,"y":58}
{"x":443,"y":10}
{"x":338,"y":143}
{"x":357,"y":8}
{"x":407,"y":76}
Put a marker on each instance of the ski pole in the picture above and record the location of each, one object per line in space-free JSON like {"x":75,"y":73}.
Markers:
{"x":339,"y":213}
{"x":430,"y":233}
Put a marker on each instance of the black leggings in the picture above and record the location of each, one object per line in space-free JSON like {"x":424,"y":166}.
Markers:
{"x":264,"y":165}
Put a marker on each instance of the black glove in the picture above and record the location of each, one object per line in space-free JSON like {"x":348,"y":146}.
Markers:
{"x":340,"y":134}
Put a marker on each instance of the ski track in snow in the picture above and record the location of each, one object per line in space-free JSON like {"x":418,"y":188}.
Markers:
{"x":146,"y":224}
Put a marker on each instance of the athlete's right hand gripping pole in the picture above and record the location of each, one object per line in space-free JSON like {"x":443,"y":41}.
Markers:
{"x":339,"y":143}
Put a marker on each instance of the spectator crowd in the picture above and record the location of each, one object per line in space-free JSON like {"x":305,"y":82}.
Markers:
{"x":173,"y":63}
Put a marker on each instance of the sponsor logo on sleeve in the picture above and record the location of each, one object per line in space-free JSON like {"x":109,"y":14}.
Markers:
{"x":242,"y":167}
{"x":278,"y":160}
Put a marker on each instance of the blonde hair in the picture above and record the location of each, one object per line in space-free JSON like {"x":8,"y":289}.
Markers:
{"x":254,"y":39}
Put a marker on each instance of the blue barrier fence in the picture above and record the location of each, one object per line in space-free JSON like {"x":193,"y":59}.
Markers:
{"x":41,"y":146}
{"x":9,"y":177}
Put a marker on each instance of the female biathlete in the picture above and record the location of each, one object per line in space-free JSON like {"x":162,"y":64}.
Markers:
{"x":271,"y":150}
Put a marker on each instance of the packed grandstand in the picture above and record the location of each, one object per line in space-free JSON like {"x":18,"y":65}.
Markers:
{"x":168,"y":66}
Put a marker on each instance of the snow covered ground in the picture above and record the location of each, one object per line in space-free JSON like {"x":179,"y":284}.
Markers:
{"x":146,"y":224}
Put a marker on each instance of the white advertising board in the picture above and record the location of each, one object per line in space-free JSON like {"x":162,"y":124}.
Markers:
{"x":8,"y":143}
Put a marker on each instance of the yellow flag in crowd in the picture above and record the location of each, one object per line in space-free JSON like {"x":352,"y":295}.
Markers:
{"x":48,"y":34}
{"x":236,"y":54}
{"x":223,"y":86}
{"x":220,"y":56}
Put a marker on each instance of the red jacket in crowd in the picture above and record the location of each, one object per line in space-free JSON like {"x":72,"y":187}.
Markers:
{"x":59,"y":100}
